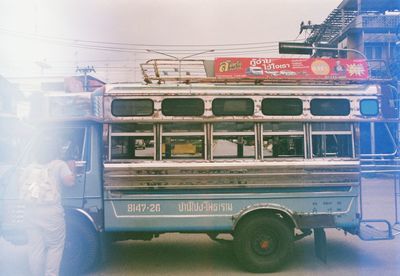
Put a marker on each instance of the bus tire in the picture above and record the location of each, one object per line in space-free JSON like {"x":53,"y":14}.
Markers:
{"x":82,"y":248}
{"x":263,"y":243}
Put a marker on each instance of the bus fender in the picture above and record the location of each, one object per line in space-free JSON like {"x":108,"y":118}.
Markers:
{"x":77,"y":212}
{"x":267,"y":207}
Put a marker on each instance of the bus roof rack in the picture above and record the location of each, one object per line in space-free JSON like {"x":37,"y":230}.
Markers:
{"x":165,"y":70}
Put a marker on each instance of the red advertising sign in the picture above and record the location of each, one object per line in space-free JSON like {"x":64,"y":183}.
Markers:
{"x":291,"y":68}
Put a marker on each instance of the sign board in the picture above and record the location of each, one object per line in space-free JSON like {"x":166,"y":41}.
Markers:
{"x":291,"y":68}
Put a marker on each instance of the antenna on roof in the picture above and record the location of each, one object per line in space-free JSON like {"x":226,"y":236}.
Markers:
{"x":85,"y":71}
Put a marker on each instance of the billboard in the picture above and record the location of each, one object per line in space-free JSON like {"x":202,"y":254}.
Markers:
{"x":291,"y":68}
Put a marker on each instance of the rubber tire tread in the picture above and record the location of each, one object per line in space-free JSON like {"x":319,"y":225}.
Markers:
{"x":242,"y":243}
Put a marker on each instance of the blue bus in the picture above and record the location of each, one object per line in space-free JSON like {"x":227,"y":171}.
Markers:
{"x":267,"y":164}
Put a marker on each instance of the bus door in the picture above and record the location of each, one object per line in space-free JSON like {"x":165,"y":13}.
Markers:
{"x":70,"y":144}
{"x":74,"y":145}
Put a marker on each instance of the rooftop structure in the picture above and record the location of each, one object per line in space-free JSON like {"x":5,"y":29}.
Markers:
{"x":355,"y":16}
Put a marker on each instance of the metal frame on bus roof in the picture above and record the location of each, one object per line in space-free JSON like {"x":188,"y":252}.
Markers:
{"x":187,"y":71}
{"x":136,"y":89}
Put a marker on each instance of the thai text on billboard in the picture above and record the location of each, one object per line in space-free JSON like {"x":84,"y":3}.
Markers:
{"x":291,"y":68}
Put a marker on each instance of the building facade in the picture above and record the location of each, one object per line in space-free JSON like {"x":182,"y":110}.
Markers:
{"x":369,"y":26}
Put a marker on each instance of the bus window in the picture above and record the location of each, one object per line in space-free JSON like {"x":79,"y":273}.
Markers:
{"x":330,"y":107}
{"x":283,"y":140}
{"x":132,"y":107}
{"x":131,"y":141}
{"x":332,"y":140}
{"x":282,"y":107}
{"x":182,"y":107}
{"x":232,"y":107}
{"x":369,"y":107}
{"x":233,"y":140}
{"x":71,"y":141}
{"x":183,"y":140}
{"x":68,"y":142}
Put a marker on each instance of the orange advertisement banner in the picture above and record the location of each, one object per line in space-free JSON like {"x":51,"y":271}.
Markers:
{"x":291,"y":68}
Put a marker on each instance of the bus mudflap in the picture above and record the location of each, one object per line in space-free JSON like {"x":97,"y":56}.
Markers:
{"x":320,"y":244}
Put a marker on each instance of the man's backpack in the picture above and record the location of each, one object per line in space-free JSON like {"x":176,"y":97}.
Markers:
{"x":37,"y":186}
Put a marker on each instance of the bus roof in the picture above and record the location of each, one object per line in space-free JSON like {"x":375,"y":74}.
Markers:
{"x":151,"y":103}
{"x":238,"y":89}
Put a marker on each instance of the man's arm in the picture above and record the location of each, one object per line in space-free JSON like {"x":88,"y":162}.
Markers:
{"x":68,"y":173}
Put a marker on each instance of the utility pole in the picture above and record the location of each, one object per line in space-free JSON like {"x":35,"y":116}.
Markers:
{"x":85,"y":71}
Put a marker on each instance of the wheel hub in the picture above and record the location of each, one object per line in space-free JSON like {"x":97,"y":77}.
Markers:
{"x":264,"y":245}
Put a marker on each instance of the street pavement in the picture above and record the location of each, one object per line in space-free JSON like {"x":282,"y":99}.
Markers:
{"x":196,"y":254}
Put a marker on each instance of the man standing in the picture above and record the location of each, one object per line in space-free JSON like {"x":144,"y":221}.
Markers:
{"x":44,"y":213}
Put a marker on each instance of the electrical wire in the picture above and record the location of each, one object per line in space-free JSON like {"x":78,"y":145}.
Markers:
{"x":221,"y":50}
{"x":100,"y":45}
{"x":4,"y":30}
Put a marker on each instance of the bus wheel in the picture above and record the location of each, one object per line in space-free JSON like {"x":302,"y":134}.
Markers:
{"x":81,"y":250}
{"x":263,"y":243}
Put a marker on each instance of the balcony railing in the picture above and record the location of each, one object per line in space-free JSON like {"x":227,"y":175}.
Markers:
{"x":379,"y":21}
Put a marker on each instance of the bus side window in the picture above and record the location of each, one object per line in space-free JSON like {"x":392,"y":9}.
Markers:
{"x":283,"y":140}
{"x":72,"y":141}
{"x":183,"y":141}
{"x":233,"y":140}
{"x":67,"y":142}
{"x":131,"y":141}
{"x":332,"y":140}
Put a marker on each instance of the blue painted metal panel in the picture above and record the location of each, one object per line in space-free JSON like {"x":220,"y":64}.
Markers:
{"x":202,"y":212}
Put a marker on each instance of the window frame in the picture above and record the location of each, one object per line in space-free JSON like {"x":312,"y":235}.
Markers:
{"x":245,"y":133}
{"x":183,"y":99}
{"x":325,"y":133}
{"x":201,"y":134}
{"x":132,"y":115}
{"x":221,"y":114}
{"x":369,"y":100}
{"x":112,"y":134}
{"x":315,"y":100}
{"x":295,"y":133}
{"x":298,"y":100}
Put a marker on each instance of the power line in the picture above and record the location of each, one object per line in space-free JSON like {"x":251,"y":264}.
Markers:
{"x":137,"y":59}
{"x":101,"y":45}
{"x":135,"y":44}
{"x":142,"y":51}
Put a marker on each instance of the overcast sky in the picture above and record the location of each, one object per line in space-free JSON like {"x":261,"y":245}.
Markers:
{"x":52,"y":38}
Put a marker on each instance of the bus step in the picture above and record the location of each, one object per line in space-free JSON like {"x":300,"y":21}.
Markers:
{"x":369,"y":230}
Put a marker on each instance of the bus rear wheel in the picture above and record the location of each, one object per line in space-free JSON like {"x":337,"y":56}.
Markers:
{"x":263,"y":243}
